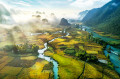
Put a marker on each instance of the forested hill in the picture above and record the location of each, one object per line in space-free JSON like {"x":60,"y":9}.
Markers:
{"x":106,"y":18}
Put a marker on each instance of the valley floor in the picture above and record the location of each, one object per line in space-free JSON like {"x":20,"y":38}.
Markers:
{"x":67,"y":51}
{"x":70,"y":66}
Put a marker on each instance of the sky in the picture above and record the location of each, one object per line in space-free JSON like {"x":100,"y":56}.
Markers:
{"x":66,"y":8}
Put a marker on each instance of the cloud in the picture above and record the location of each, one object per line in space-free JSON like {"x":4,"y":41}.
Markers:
{"x":69,"y":0}
{"x":62,"y":8}
{"x":88,"y":4}
{"x":22,"y":3}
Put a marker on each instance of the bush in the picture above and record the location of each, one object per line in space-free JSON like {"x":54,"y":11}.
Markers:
{"x":109,"y":49}
{"x":22,"y":49}
{"x":8,"y":48}
{"x":84,"y":57}
{"x":63,"y":47}
{"x":70,"y":51}
{"x":50,"y":49}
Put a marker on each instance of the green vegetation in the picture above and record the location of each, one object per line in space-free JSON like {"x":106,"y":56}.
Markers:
{"x":105,"y":19}
{"x":76,"y":54}
{"x":79,"y":53}
{"x":109,"y":49}
{"x":70,"y":51}
{"x":19,"y":58}
{"x":96,"y":40}
{"x":22,"y":49}
{"x":48,"y":66}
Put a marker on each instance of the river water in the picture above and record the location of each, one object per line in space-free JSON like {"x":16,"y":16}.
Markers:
{"x":55,"y":64}
{"x":115,"y":52}
{"x":49,"y":59}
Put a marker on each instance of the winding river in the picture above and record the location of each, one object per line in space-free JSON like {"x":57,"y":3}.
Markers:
{"x":115,"y":52}
{"x":55,"y":64}
{"x":113,"y":55}
{"x":49,"y":59}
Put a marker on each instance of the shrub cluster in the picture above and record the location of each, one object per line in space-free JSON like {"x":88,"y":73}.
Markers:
{"x":22,"y":49}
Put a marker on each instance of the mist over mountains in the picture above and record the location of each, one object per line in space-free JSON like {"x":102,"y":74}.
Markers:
{"x":17,"y":16}
{"x":105,"y":19}
{"x":82,"y":14}
{"x":5,"y":16}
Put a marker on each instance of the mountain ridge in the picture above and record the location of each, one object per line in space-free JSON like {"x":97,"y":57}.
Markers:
{"x":106,"y":18}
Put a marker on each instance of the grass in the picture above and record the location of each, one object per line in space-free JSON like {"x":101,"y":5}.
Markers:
{"x":31,"y":67}
{"x":4,"y":61}
{"x":81,"y":47}
{"x":91,"y":72}
{"x":2,"y":44}
{"x":17,"y":62}
{"x":108,"y":35}
{"x":11,"y":70}
{"x":107,"y":72}
{"x":28,"y":58}
{"x":48,"y":66}
{"x":71,"y":42}
{"x":10,"y":77}
{"x":68,"y":36}
{"x":59,"y":40}
{"x":114,"y":42}
{"x":49,"y":53}
{"x":24,"y":67}
{"x":36,"y":71}
{"x":92,"y":52}
{"x":68,"y":68}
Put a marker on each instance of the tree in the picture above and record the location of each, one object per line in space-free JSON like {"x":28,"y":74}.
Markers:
{"x":38,"y":16}
{"x":77,"y":25}
{"x":44,"y":20}
{"x":70,"y":51}
{"x":109,"y":49}
{"x":35,"y":48}
{"x":15,"y":49}
{"x":108,"y":56}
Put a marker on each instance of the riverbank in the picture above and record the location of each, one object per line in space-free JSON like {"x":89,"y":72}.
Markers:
{"x":117,"y":42}
{"x":108,"y":35}
{"x":109,"y":38}
{"x":114,"y":54}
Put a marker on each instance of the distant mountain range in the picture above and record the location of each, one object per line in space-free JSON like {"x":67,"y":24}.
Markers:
{"x":5,"y":17}
{"x":106,"y":18}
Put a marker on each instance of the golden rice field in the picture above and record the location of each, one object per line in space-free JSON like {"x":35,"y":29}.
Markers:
{"x":70,"y":67}
{"x":35,"y":71}
{"x":26,"y":66}
{"x":29,"y":66}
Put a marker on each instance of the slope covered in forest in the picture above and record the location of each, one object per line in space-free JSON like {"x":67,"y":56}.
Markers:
{"x":106,"y":18}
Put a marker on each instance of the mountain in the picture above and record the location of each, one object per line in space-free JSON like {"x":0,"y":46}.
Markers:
{"x":64,"y":22}
{"x":82,"y":14}
{"x":106,"y":18}
{"x":5,"y":17}
{"x":89,"y":15}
